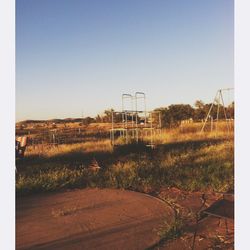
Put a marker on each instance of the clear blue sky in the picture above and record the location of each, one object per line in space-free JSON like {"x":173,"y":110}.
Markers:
{"x":78,"y":55}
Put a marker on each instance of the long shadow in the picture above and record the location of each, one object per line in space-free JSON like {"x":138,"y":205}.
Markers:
{"x":106,"y":158}
{"x":190,"y":144}
{"x":84,"y":157}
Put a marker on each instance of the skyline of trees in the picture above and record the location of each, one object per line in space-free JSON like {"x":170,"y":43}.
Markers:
{"x":171,"y":116}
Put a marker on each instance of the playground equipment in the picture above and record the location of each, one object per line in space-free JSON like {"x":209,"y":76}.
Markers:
{"x":219,"y":101}
{"x":134,"y":122}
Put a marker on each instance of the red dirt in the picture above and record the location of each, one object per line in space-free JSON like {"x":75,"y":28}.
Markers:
{"x":211,"y":233}
{"x":90,"y":219}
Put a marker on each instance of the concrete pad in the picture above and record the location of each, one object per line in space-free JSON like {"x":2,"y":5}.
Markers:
{"x":90,"y":219}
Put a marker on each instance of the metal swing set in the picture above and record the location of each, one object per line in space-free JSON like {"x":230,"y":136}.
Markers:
{"x":219,"y":101}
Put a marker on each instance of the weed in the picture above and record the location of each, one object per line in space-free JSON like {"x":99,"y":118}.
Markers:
{"x":172,"y":231}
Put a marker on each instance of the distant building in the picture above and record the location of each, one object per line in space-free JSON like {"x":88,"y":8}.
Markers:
{"x":187,"y":121}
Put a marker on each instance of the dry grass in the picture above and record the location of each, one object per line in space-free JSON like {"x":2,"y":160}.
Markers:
{"x":185,"y":159}
{"x":190,"y":132}
{"x":46,"y":150}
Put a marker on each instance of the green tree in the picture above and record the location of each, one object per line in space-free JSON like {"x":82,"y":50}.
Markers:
{"x":174,"y":114}
{"x":200,"y":110}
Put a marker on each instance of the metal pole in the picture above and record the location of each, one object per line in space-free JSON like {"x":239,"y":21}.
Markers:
{"x":202,"y":129}
{"x":126,"y":131}
{"x":136,"y":125}
{"x":145,"y":111}
{"x":136,"y":119}
{"x":218,"y":109}
{"x":132,"y":114}
{"x":137,"y":96}
{"x":224,"y":111}
{"x":123,"y":118}
{"x":151,"y":129}
{"x":124,"y":114}
{"x":112,"y":140}
{"x":211,"y":117}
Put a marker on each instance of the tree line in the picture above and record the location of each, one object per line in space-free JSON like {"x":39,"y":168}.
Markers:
{"x":172,"y":115}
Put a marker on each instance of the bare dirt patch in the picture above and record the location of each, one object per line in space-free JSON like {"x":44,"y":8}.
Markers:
{"x":209,"y":233}
{"x":90,"y":219}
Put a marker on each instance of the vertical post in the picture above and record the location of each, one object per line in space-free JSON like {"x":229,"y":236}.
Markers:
{"x":131,"y":112}
{"x":151,"y":119}
{"x":224,"y":111}
{"x":136,"y":99}
{"x":218,"y":111}
{"x":211,"y":117}
{"x":136,"y":125}
{"x":123,"y":118}
{"x":125,"y":114}
{"x":133,"y":126}
{"x":112,"y":128}
{"x":204,"y":124}
{"x":126,"y":126}
{"x":145,"y":111}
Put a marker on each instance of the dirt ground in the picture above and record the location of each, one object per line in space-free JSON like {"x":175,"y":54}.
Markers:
{"x":90,"y":219}
{"x":209,"y":233}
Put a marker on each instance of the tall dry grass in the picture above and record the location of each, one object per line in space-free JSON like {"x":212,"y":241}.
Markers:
{"x":47,"y":150}
{"x":185,"y":158}
{"x":184,"y":133}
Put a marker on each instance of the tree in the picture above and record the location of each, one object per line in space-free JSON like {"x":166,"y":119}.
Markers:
{"x":200,"y":110}
{"x":88,"y":120}
{"x":108,"y":115}
{"x":98,"y":118}
{"x":199,"y":104}
{"x":174,"y":114}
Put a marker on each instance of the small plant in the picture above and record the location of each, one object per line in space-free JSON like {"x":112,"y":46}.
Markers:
{"x":172,"y":231}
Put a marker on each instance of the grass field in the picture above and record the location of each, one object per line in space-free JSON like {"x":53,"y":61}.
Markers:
{"x":184,"y":158}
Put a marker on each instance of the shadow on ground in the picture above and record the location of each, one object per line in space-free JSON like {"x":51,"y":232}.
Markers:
{"x":105,"y":158}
